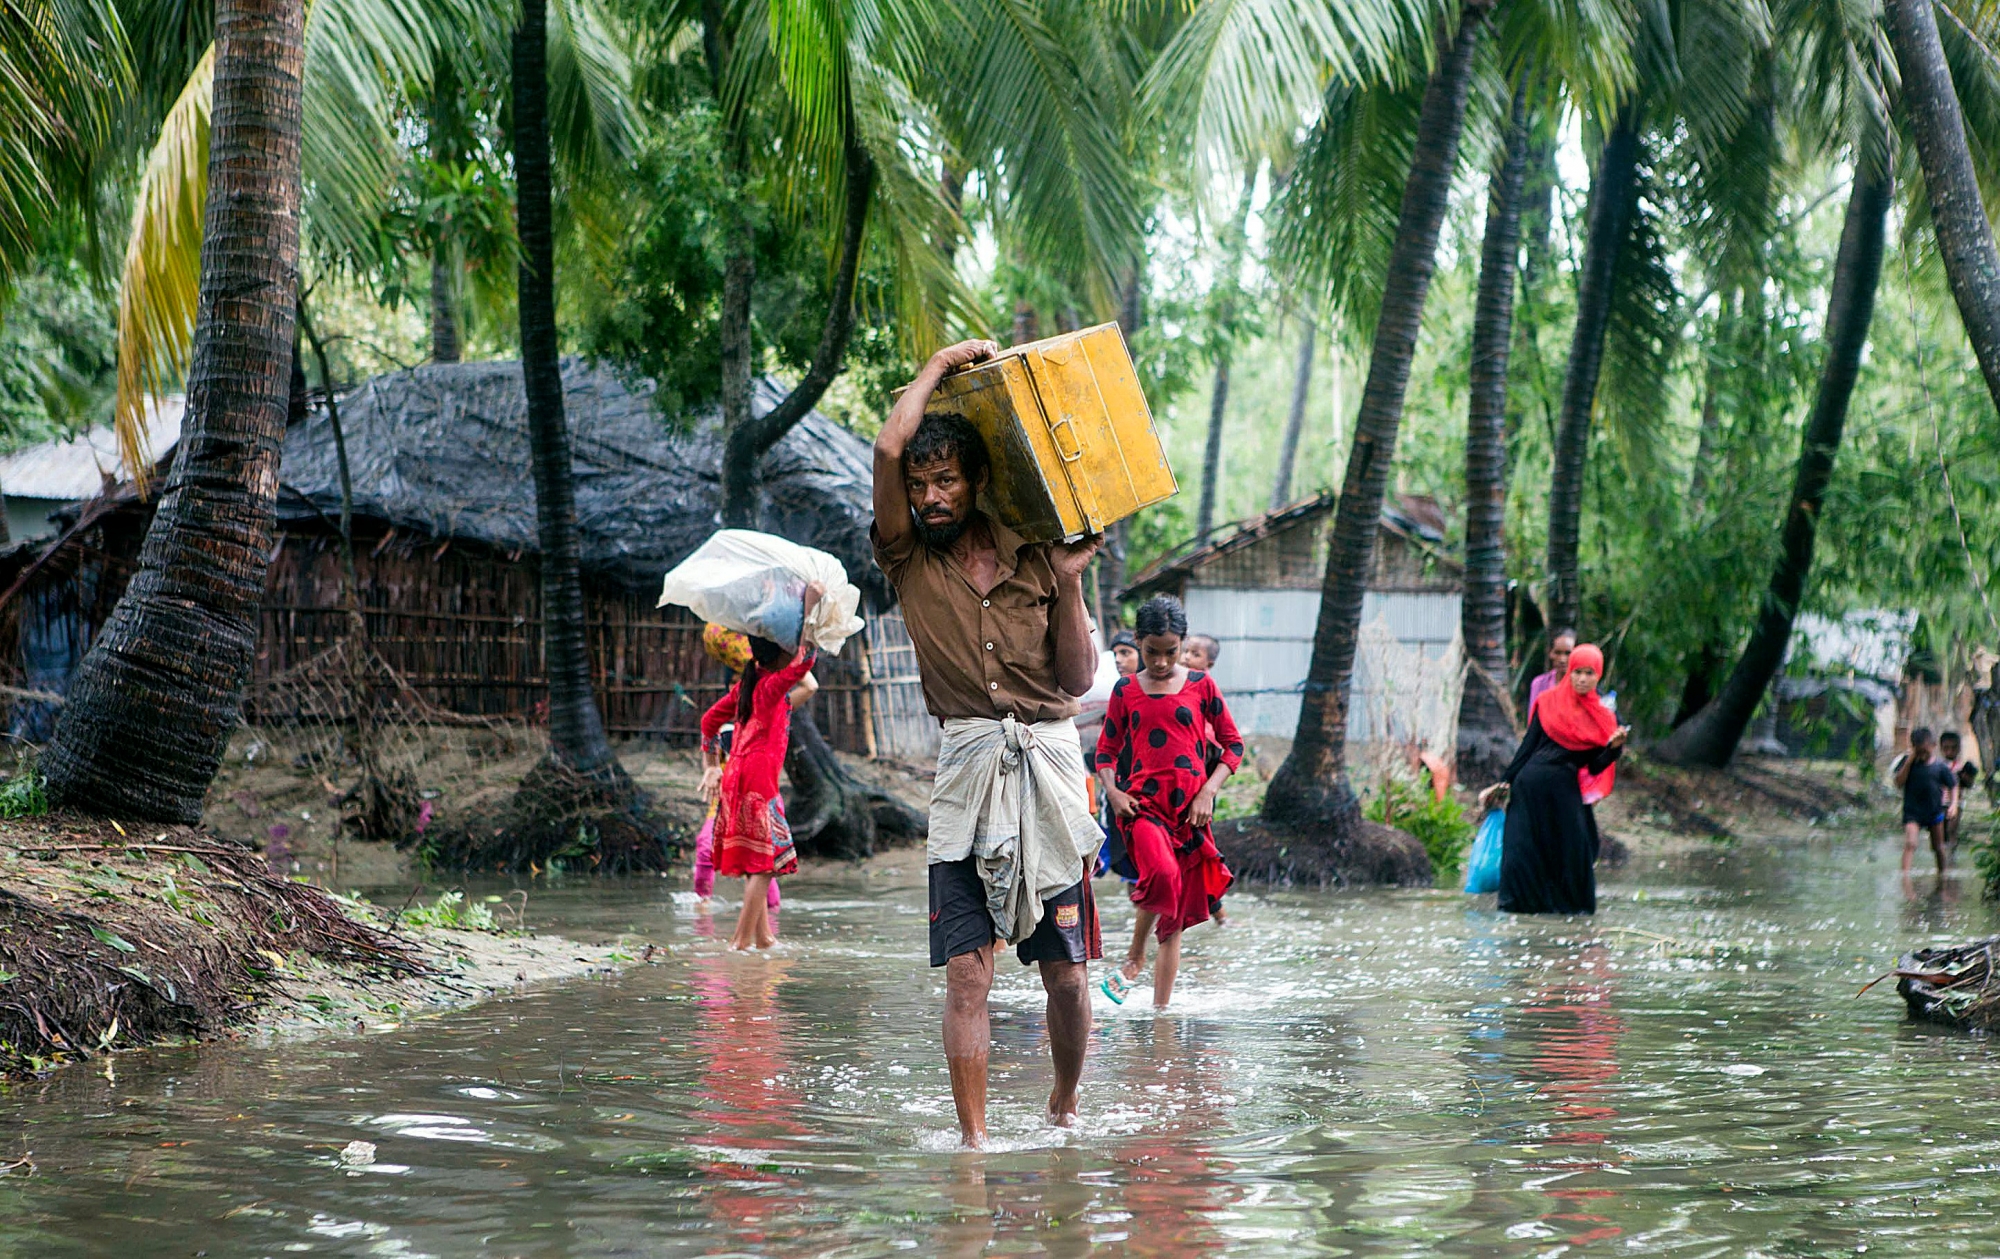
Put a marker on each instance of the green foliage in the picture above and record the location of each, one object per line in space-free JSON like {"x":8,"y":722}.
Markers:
{"x":1410,"y":805}
{"x":23,"y":796}
{"x":1986,"y":858}
{"x":56,"y":362}
{"x":656,"y":310}
{"x":451,"y":910}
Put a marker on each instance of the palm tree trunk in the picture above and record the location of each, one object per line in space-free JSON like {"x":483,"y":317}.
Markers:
{"x":448,"y":143}
{"x":1711,"y":736}
{"x":1211,"y":452}
{"x":1965,"y":236}
{"x":739,"y":263}
{"x":1711,"y":420}
{"x":576,"y":728}
{"x":444,"y":314}
{"x":1611,"y":206}
{"x":1486,"y":733}
{"x":746,"y":444}
{"x":1224,"y":314}
{"x":1538,"y":192}
{"x":1295,"y":419}
{"x":156,"y":698}
{"x":1310,"y":790}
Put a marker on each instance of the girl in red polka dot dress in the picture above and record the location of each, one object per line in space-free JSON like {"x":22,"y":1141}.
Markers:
{"x":1149,"y":759}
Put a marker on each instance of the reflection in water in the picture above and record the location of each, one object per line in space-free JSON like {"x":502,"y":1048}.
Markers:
{"x":1576,"y":1031}
{"x":1173,"y":1187}
{"x":1380,"y":1073}
{"x":745,"y":1102}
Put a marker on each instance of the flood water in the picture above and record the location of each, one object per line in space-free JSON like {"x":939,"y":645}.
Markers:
{"x":1371,"y":1073}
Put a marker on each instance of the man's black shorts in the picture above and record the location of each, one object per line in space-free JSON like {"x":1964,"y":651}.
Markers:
{"x":960,"y":923}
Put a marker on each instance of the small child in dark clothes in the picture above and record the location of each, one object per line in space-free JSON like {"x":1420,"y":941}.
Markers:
{"x":1930,"y":793}
{"x":1951,"y":750}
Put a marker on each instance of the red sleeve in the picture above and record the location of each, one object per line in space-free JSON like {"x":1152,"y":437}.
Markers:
{"x":719,"y":714}
{"x":800,"y":666}
{"x":1111,"y":738}
{"x":1227,"y":737}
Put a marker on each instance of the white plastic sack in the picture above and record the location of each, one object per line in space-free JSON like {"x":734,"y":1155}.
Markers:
{"x":755,"y":583}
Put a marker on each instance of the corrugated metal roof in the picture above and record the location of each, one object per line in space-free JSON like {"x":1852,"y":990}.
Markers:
{"x":73,"y":468}
{"x":1414,"y":516}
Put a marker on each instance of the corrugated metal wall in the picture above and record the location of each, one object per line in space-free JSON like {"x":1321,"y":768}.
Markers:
{"x":1267,"y":635}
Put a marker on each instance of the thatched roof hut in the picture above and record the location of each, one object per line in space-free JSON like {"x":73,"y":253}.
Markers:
{"x":442,"y":452}
{"x":446,"y":551}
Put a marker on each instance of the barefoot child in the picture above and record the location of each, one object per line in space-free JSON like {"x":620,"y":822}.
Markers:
{"x":731,"y":650}
{"x":752,"y":838}
{"x":1929,"y":791}
{"x":1167,"y":801}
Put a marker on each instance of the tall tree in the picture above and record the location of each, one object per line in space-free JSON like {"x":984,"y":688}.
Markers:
{"x":1222,"y":339}
{"x":1295,"y":417}
{"x":1311,"y":789}
{"x":156,"y":698}
{"x":1613,"y":192}
{"x":747,"y":443}
{"x":576,"y":728}
{"x":1711,"y":736}
{"x":1964,"y":233}
{"x":1486,"y":733}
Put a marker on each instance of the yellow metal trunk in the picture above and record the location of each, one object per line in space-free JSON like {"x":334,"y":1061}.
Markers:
{"x":1072,"y":440}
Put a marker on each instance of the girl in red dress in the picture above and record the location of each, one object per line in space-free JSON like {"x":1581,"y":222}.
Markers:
{"x":752,"y":838}
{"x":1149,"y":759}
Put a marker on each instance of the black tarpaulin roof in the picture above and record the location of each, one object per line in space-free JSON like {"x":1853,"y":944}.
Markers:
{"x":443,"y":450}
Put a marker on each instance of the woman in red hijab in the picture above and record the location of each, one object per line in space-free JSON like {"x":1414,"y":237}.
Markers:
{"x":1563,"y":766}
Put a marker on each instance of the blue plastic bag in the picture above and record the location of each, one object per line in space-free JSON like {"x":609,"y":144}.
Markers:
{"x":1482,"y":867}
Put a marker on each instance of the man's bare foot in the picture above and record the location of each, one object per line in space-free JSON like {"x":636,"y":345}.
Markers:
{"x":971,"y":1139}
{"x":1062,"y":1111}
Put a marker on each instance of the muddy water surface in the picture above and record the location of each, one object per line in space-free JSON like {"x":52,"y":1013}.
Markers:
{"x":1376,"y":1073}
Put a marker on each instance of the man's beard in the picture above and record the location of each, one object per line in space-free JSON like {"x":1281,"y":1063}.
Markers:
{"x":941,"y":537}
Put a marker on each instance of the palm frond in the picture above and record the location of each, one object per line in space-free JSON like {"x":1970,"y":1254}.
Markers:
{"x":1243,"y":74}
{"x":161,"y":282}
{"x":1642,"y":338}
{"x":592,"y":125}
{"x":1336,"y":219}
{"x":63,"y":73}
{"x":360,"y":54}
{"x":1020,"y":107}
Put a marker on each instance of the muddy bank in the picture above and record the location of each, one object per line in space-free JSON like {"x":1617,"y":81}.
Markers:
{"x":115,"y":937}
{"x":286,"y":805}
{"x":1658,"y":805}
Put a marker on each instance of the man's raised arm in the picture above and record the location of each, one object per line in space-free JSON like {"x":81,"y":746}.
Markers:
{"x":892,"y":504}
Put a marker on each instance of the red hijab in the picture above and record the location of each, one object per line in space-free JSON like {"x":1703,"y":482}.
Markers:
{"x":1580,"y":723}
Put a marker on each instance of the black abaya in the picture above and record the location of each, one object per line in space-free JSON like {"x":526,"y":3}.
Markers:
{"x":1550,"y":847}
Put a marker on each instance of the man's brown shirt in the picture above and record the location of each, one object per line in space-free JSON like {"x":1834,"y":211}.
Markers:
{"x":981,"y":655}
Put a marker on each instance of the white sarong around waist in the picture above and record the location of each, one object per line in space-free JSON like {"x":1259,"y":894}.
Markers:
{"x":1013,"y":795}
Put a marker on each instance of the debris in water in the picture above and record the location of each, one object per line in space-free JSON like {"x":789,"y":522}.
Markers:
{"x":1955,"y":986}
{"x":357,"y":1153}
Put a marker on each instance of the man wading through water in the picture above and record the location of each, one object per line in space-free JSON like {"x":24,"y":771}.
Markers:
{"x":1004,"y":648}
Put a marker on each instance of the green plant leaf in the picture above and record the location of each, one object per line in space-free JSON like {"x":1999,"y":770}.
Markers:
{"x":115,"y":941}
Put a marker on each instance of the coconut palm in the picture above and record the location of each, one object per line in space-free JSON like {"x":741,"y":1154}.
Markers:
{"x":1836,"y":56}
{"x":1486,"y":731}
{"x":1222,"y":334}
{"x":155,"y":700}
{"x":365,"y":60}
{"x":1018,"y":93}
{"x":1311,"y":789}
{"x":1697,"y":64}
{"x":1711,"y":736}
{"x":1958,"y":216}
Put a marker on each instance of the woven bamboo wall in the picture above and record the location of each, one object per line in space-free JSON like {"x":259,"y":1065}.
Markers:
{"x":463,"y":627}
